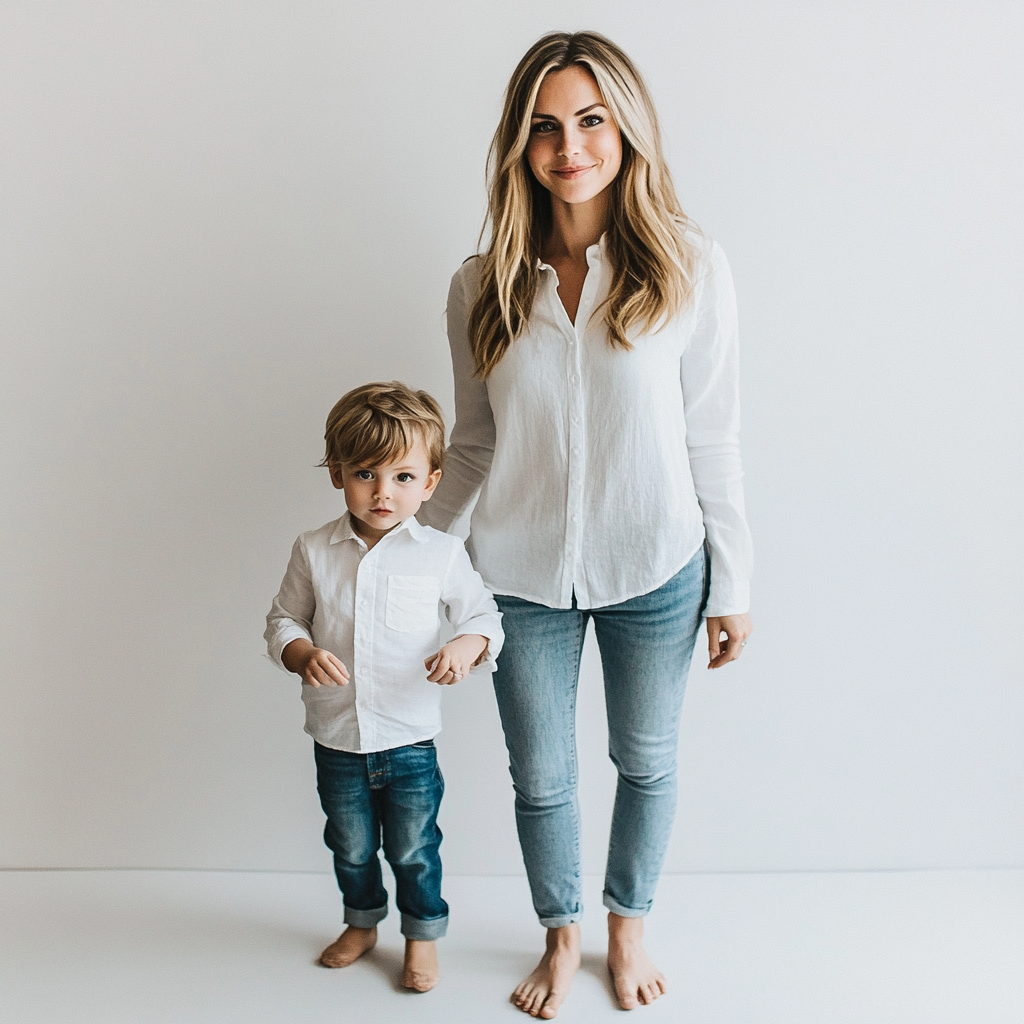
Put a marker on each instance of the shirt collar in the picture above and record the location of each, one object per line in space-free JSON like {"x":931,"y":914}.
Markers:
{"x":595,"y":253}
{"x":343,"y":530}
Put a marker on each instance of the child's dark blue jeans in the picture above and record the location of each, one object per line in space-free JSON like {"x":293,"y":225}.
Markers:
{"x":392,"y":794}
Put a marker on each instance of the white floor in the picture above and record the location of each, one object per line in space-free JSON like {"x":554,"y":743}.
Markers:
{"x":142,"y":947}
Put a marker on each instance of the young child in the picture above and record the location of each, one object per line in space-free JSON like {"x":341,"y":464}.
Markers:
{"x":358,"y":618}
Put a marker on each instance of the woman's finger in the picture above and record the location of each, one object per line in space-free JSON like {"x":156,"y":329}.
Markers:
{"x":729,"y":651}
{"x":714,"y":642}
{"x":736,"y":645}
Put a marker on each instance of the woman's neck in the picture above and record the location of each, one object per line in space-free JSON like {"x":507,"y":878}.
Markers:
{"x":575,"y":227}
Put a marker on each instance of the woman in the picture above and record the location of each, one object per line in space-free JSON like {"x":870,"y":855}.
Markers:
{"x":595,"y":359}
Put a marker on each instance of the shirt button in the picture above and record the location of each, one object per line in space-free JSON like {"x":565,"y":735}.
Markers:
{"x":575,"y":518}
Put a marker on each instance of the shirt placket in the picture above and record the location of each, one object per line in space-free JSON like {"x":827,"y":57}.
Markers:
{"x":577,"y":445}
{"x":363,"y":647}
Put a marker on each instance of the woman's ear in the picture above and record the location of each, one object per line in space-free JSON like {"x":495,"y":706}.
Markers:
{"x":337,"y":477}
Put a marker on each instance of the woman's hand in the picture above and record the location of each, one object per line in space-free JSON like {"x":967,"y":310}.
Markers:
{"x":723,"y":649}
{"x":455,"y":659}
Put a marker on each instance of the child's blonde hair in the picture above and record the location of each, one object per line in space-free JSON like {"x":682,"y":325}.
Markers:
{"x":378,"y":423}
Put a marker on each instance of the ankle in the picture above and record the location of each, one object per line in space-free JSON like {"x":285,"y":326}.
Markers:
{"x":420,"y":945}
{"x":567,"y":935}
{"x":625,"y":929}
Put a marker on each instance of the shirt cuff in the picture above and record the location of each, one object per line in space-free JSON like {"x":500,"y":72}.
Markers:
{"x":484,"y":626}
{"x":728,"y":597}
{"x":276,"y":647}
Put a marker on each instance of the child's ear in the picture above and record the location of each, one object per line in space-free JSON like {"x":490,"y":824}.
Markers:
{"x":431,"y":484}
{"x":336,"y":474}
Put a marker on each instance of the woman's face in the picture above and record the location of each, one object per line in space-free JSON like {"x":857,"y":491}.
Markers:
{"x":575,"y":150}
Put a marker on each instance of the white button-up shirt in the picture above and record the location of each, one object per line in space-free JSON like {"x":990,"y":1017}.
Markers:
{"x":600,"y":471}
{"x":379,"y":610}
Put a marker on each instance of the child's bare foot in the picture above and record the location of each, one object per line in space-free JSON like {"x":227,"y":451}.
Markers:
{"x":542,"y":993}
{"x":635,"y":978}
{"x":349,"y":946}
{"x":420,"y":971}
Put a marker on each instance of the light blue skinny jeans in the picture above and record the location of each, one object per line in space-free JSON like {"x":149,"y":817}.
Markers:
{"x":646,"y":644}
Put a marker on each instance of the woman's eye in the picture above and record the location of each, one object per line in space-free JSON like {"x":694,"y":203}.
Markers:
{"x":543,"y":127}
{"x":592,"y":121}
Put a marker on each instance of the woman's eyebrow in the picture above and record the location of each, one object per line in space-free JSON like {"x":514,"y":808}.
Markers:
{"x":579,"y":113}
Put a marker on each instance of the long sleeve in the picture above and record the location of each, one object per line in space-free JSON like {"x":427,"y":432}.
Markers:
{"x":472,"y":438}
{"x":469,"y":605}
{"x":291,"y":615}
{"x":709,"y":372}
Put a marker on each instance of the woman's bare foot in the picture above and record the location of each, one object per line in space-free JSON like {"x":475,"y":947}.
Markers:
{"x":420,"y":971}
{"x":349,"y":946}
{"x":635,"y":978}
{"x":542,"y":993}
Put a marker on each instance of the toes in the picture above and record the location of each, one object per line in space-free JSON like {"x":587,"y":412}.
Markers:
{"x":523,"y":999}
{"x":625,"y":993}
{"x":418,"y":983}
{"x":520,"y":996}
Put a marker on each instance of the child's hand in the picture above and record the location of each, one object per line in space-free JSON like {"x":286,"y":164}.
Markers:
{"x":455,"y":659}
{"x":316,"y":666}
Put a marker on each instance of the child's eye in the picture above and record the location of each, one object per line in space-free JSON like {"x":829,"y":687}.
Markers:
{"x":404,"y":478}
{"x":364,"y":474}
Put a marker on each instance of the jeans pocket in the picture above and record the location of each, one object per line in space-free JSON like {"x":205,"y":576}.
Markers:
{"x":412,"y":603}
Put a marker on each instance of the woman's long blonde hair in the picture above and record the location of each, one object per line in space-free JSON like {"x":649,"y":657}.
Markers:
{"x":653,"y":264}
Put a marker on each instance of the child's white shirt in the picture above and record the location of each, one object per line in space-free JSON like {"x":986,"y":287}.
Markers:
{"x":379,"y":610}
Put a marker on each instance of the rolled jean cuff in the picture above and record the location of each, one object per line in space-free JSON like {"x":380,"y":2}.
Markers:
{"x":561,"y":922}
{"x":424,"y":930}
{"x":618,"y":908}
{"x":365,"y":918}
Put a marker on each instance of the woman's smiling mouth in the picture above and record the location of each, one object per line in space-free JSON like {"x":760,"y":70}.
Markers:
{"x":572,"y":172}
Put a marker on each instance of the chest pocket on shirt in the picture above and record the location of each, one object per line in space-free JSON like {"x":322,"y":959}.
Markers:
{"x":412,"y":603}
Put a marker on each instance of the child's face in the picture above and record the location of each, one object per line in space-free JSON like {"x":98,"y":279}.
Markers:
{"x":382,"y":497}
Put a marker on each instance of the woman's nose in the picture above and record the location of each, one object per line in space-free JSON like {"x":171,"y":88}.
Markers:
{"x":570,"y":142}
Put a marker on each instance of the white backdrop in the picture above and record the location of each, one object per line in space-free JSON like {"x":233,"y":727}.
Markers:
{"x":219,"y":216}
